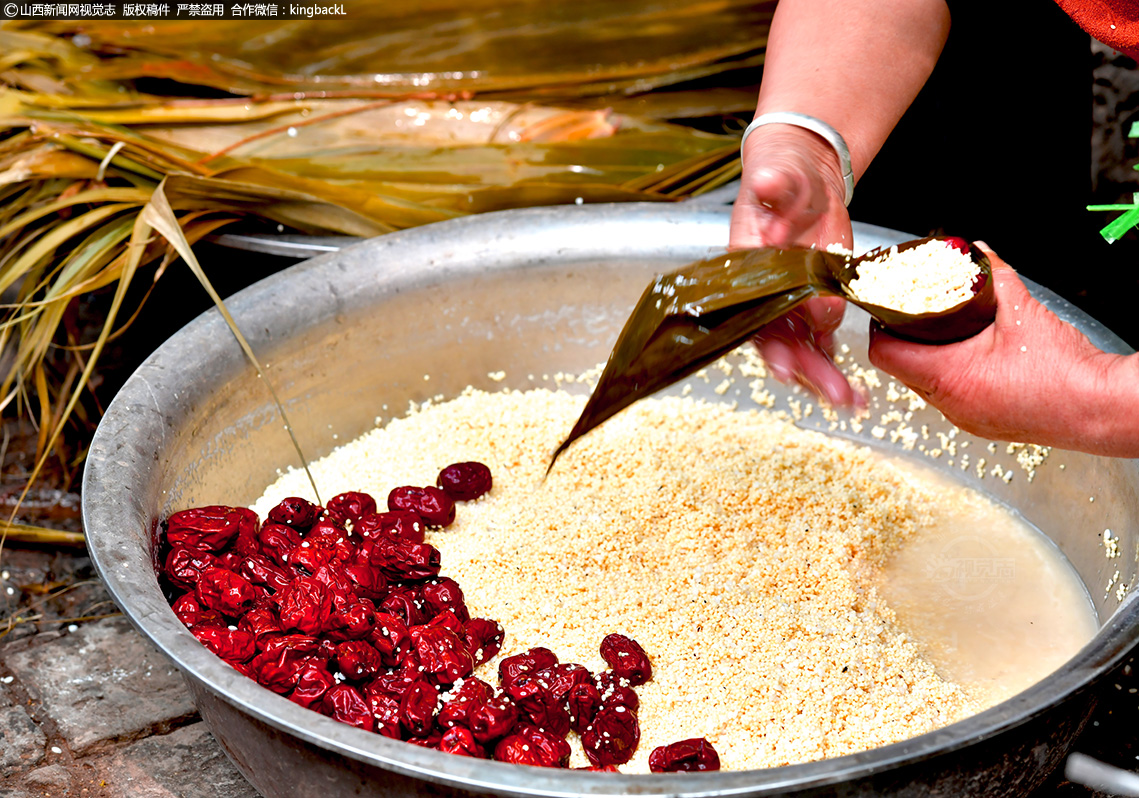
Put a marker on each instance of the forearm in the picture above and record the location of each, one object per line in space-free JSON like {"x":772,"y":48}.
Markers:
{"x":856,"y":65}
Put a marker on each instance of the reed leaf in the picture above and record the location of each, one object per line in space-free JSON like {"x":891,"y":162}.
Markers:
{"x":131,"y":259}
{"x":40,"y":536}
{"x":481,"y":46}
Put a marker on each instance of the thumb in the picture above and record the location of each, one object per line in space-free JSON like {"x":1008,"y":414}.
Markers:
{"x":913,"y":363}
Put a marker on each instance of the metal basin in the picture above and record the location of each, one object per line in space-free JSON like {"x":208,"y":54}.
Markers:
{"x":529,"y":292}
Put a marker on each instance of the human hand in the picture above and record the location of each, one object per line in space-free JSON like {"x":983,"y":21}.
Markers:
{"x":1028,"y":377}
{"x":792,"y":193}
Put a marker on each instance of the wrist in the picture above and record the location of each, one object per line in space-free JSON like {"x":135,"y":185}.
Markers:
{"x":782,"y":143}
{"x":1108,"y":395}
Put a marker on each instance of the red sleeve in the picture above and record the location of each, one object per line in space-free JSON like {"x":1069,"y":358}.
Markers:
{"x":1113,"y":22}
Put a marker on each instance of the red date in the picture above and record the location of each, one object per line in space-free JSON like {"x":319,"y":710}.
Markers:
{"x":527,"y":663}
{"x":627,"y":659}
{"x":209,"y":528}
{"x":232,"y":645}
{"x":224,"y":591}
{"x":350,"y":506}
{"x":458,"y":740}
{"x":313,"y":682}
{"x":612,"y":737}
{"x":295,"y":512}
{"x":431,"y":504}
{"x":494,"y":719}
{"x":346,"y":704}
{"x":445,"y":595}
{"x":686,"y":756}
{"x":305,"y":605}
{"x":465,"y":481}
{"x":484,"y":639}
{"x":442,"y":653}
{"x":417,"y":707}
{"x":458,"y":710}
{"x":399,"y":526}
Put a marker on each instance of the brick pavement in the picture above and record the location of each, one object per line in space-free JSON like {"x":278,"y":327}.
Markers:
{"x":96,"y":712}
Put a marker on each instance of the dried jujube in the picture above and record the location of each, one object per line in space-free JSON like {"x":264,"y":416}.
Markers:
{"x":305,"y":605}
{"x":389,"y":636}
{"x":276,"y":541}
{"x":261,"y":621}
{"x":333,"y":576}
{"x":494,"y":719}
{"x":417,"y":707}
{"x":384,"y":702}
{"x":484,"y":639}
{"x":295,"y":512}
{"x":445,"y":595}
{"x":528,"y":662}
{"x":333,"y":537}
{"x":561,"y":678}
{"x":441,"y":653}
{"x":616,"y":691}
{"x":685,"y":756}
{"x":190,"y":612}
{"x":183,"y":566}
{"x":357,"y":660}
{"x":552,"y":745}
{"x":465,"y":481}
{"x":582,"y":702}
{"x":409,"y":562}
{"x":306,"y":559}
{"x":354,"y":621}
{"x":431,"y":504}
{"x":612,"y":737}
{"x":232,"y":645}
{"x":469,"y":696}
{"x":459,"y":740}
{"x":399,"y":526}
{"x":350,"y":506}
{"x":313,"y":681}
{"x":260,"y":570}
{"x":402,"y":602}
{"x":433,"y":739}
{"x":209,"y":528}
{"x":346,"y":704}
{"x":536,"y":705}
{"x":627,"y":659}
{"x":517,"y":750}
{"x":224,"y":591}
{"x":279,"y":665}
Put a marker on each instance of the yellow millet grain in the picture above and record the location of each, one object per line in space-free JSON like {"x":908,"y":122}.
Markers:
{"x":928,"y":278}
{"x":734,"y":547}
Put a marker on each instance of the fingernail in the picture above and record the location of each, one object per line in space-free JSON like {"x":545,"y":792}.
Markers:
{"x":982,"y":245}
{"x":780,"y":372}
{"x":834,"y":395}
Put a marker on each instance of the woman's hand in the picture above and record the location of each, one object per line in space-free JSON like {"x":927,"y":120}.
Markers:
{"x":791,"y":194}
{"x":1029,"y":377}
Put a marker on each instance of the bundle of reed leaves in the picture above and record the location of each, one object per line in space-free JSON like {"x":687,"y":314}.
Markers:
{"x":402,"y":115}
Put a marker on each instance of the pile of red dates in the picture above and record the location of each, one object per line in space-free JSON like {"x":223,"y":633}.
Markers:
{"x":342,"y":609}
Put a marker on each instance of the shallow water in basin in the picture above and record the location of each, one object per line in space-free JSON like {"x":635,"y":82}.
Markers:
{"x":989,"y":599}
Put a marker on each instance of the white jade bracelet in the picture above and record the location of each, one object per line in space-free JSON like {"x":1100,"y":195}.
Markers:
{"x":815,"y":126}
